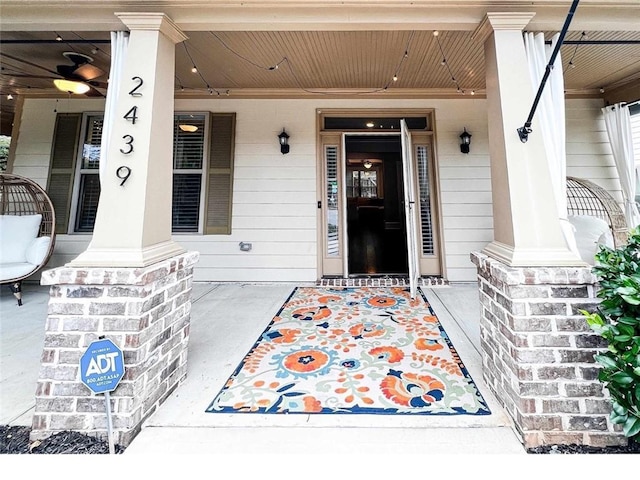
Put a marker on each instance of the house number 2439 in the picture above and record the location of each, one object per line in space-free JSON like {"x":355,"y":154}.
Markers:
{"x":123,"y":172}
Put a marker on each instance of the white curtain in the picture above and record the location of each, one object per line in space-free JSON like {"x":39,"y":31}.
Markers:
{"x":119,"y":43}
{"x":618,"y":122}
{"x":550,"y":121}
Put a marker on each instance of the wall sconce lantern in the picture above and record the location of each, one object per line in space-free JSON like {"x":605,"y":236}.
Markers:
{"x":284,"y":142}
{"x":465,"y":141}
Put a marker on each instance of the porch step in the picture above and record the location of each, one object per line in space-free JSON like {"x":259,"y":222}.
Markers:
{"x":377,"y":281}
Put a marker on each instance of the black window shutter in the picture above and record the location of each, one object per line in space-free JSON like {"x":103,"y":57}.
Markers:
{"x":63,"y":159}
{"x":220,"y":174}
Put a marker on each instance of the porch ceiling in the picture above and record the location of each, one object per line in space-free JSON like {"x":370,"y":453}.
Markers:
{"x":316,"y":63}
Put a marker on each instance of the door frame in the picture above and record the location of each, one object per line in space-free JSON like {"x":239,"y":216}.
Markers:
{"x":428,"y":133}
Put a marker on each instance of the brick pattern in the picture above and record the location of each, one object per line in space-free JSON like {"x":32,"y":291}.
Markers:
{"x":537,"y":352}
{"x":146,"y":312}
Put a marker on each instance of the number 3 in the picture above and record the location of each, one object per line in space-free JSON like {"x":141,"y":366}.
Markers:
{"x":129,"y":141}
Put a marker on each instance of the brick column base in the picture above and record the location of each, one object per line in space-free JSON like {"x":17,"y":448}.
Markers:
{"x":146,"y":312}
{"x":537,"y":352}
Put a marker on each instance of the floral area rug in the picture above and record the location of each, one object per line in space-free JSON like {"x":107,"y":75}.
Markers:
{"x":352,"y":350}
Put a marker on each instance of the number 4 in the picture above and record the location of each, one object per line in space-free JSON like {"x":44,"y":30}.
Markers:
{"x":132,"y":115}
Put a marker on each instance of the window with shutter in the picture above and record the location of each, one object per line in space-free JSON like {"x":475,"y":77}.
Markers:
{"x":63,"y":159}
{"x":203,"y":149}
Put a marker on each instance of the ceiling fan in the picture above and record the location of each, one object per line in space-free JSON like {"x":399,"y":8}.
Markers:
{"x":81,"y":74}
{"x":80,"y":77}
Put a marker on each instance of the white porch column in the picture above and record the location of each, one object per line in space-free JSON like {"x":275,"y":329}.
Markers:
{"x":527,"y":230}
{"x":133,"y":221}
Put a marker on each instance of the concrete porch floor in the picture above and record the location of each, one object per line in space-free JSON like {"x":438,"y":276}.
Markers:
{"x":226,"y":320}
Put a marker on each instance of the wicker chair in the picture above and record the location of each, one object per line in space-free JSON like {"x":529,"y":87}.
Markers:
{"x":22,"y":196}
{"x":586,"y":198}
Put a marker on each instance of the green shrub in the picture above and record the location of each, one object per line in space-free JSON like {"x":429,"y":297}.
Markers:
{"x":617,"y":320}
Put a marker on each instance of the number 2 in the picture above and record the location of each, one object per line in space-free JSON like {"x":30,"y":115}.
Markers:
{"x":134,"y":92}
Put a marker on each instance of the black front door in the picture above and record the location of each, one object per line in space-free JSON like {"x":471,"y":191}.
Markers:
{"x":375,"y":215}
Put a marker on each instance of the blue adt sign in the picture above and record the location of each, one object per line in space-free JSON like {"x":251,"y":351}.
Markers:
{"x":102,"y":366}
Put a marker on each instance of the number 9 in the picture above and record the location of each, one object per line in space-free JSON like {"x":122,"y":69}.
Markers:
{"x":123,"y":173}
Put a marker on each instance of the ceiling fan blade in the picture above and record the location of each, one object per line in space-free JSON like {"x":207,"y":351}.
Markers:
{"x":21,"y":60}
{"x":24,"y":75}
{"x":94,"y":93}
{"x":103,"y":85}
{"x":67,"y":71}
{"x":88,"y":71}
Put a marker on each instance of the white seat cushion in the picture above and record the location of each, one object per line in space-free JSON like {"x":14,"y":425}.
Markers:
{"x":590,"y":232}
{"x":15,"y":270}
{"x":38,"y":250}
{"x":16,"y":234}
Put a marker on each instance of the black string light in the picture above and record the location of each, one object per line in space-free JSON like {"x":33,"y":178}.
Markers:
{"x":402,"y":60}
{"x":179,"y":83}
{"x":94,"y":48}
{"x":445,"y":63}
{"x":286,"y":61}
{"x":194,"y":69}
{"x":583,"y":36}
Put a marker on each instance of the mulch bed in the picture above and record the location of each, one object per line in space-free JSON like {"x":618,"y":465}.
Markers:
{"x":632,"y":447}
{"x":15,"y":440}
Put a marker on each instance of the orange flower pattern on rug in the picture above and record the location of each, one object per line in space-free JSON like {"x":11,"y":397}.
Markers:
{"x":352,"y":350}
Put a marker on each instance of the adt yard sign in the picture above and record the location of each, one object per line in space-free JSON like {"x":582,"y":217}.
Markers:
{"x":102,"y":366}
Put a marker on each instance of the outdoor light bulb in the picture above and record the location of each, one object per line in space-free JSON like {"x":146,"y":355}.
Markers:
{"x":571,"y":65}
{"x":473,"y":92}
{"x":601,"y":90}
{"x":370,"y":124}
{"x":71,"y":86}
{"x":58,"y":38}
{"x":194,"y":69}
{"x":443,"y":62}
{"x":9,"y":97}
{"x":435,"y":33}
{"x":395,"y":78}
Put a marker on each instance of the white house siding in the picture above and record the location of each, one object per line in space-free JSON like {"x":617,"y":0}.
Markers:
{"x":274,"y":195}
{"x":588,"y":150}
{"x":33,"y":149}
{"x":465,"y":184}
